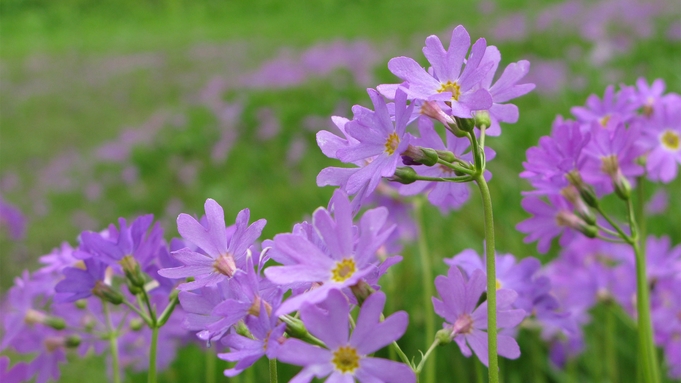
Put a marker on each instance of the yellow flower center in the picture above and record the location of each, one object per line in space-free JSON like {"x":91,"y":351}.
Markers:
{"x":345,"y":359}
{"x":343,"y":270}
{"x":604,"y":121}
{"x":670,"y":140}
{"x":392,"y":143}
{"x":451,"y":87}
{"x":610,"y":165}
{"x":498,"y":284}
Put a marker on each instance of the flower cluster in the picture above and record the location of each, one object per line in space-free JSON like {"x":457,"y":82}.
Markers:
{"x":75,"y":301}
{"x":629,"y":138}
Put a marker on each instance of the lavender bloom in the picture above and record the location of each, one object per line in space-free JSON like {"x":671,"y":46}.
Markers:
{"x":246,"y":351}
{"x":648,"y":96}
{"x":550,"y":220}
{"x":346,"y":256}
{"x":347,"y":355}
{"x":81,"y":283}
{"x":57,"y":260}
{"x":445,"y":81}
{"x":556,"y":155}
{"x":662,"y":139}
{"x":616,"y":106}
{"x":14,"y":219}
{"x":611,"y":156}
{"x":504,"y":89}
{"x":658,"y":203}
{"x":466,"y":322}
{"x":117,"y":244}
{"x":222,"y":258}
{"x":380,"y":141}
{"x":17,"y":374}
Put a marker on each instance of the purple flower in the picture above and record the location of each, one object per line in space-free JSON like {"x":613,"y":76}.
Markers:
{"x":445,"y":81}
{"x":131,"y":241}
{"x":550,"y":220}
{"x":556,"y":155}
{"x":504,"y":89}
{"x":17,"y":374}
{"x":662,"y":139}
{"x":81,"y":283}
{"x":379,"y":141}
{"x":617,"y":106}
{"x":346,"y":255}
{"x":466,"y":322}
{"x":222,"y":258}
{"x":346,"y":357}
{"x":611,"y":156}
{"x":14,"y":219}
{"x":246,"y":351}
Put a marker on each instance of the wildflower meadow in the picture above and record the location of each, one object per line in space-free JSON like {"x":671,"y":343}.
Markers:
{"x":340,"y":191}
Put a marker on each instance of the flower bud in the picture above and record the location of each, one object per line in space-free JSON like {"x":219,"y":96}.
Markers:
{"x":106,"y":293}
{"x":572,"y":194}
{"x":482,"y":119}
{"x":444,"y":336}
{"x":465,"y":124}
{"x":81,"y":304}
{"x":446,"y":155}
{"x":416,"y":155}
{"x":72,"y":341}
{"x":136,"y":324}
{"x":132,"y":271}
{"x":585,"y":190}
{"x":55,"y":322}
{"x":404,"y":175}
{"x":622,"y":187}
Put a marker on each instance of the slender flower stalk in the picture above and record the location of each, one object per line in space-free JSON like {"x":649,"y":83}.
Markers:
{"x":113,"y":343}
{"x":427,"y":285}
{"x":273,"y":371}
{"x":491,"y":280}
{"x":151,"y":378}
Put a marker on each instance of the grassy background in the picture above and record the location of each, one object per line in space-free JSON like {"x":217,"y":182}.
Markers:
{"x":74,"y":74}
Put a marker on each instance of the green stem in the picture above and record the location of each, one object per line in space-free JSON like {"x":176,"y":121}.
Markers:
{"x":611,"y":343}
{"x":425,"y":357}
{"x":210,"y":366}
{"x":426,"y":283}
{"x":640,"y":213}
{"x":273,"y":371}
{"x":456,"y":167}
{"x":401,"y":353}
{"x":139,"y":312}
{"x":645,"y":329}
{"x":491,"y":279}
{"x":617,"y":228}
{"x":165,"y":315}
{"x":151,"y":378}
{"x":113,"y":343}
{"x":443,"y":179}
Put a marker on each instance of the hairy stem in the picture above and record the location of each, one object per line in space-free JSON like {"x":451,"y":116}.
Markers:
{"x":273,"y":371}
{"x":426,"y":283}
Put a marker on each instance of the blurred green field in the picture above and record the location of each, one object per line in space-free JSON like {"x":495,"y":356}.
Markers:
{"x":74,"y":74}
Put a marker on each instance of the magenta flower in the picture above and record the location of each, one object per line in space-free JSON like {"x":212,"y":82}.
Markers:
{"x":466,"y":322}
{"x":344,"y":258}
{"x":221,"y":257}
{"x":616,"y":106}
{"x":81,"y":283}
{"x":346,"y":357}
{"x":446,"y":81}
